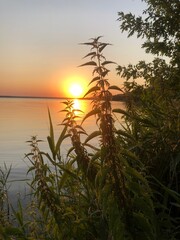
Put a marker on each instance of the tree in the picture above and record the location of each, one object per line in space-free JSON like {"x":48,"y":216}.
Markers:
{"x":153,"y":109}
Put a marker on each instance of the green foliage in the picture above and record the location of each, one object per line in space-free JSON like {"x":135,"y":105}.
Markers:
{"x":159,"y":26}
{"x":153,"y":109}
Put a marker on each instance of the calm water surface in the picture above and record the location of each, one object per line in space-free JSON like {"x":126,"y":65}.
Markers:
{"x":22,"y":118}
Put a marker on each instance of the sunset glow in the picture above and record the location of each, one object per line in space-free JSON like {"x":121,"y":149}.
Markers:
{"x":40,"y":50}
{"x":74,"y":87}
{"x":76,"y":90}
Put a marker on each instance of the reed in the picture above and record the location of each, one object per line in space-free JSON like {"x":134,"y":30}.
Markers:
{"x":4,"y":198}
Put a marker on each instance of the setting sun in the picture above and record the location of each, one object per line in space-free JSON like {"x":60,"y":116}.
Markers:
{"x":76,"y":90}
{"x":74,"y":86}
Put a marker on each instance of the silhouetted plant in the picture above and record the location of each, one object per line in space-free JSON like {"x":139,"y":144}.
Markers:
{"x":75,"y":130}
{"x":4,"y":199}
{"x":102,"y":108}
{"x":70,"y":207}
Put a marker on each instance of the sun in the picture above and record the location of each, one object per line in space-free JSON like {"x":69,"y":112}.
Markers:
{"x":74,"y":86}
{"x":76,"y":90}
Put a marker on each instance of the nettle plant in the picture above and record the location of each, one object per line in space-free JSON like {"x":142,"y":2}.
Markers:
{"x":101,"y":100}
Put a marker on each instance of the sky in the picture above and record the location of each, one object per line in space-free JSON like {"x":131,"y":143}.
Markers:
{"x":39,"y":44}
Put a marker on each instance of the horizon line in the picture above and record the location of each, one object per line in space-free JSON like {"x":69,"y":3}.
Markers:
{"x":50,"y":97}
{"x":45,"y":97}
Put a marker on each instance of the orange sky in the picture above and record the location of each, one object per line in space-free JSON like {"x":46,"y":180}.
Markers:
{"x":40,"y":48}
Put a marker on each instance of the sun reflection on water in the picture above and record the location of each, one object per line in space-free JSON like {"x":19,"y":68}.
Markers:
{"x":79,"y":105}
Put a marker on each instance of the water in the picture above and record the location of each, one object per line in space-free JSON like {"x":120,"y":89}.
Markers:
{"x":22,"y":118}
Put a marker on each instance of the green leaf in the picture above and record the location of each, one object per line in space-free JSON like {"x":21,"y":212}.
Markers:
{"x":134,"y":173}
{"x":121,"y":111}
{"x":28,"y":154}
{"x":51,"y":131}
{"x":131,"y":155}
{"x":103,"y":45}
{"x":82,"y":132}
{"x":107,"y":62}
{"x":93,"y":80}
{"x":67,"y":135}
{"x":93,"y":89}
{"x":65,"y":102}
{"x":88,"y":43}
{"x":51,"y":145}
{"x":105,"y":73}
{"x":90,"y":54}
{"x":125,"y":134}
{"x":64,"y":110}
{"x":96,"y":39}
{"x":146,"y":122}
{"x":30,"y":169}
{"x":63,"y":179}
{"x":91,"y":113}
{"x":92,"y":135}
{"x":80,"y":127}
{"x":70,"y":150}
{"x":75,"y":117}
{"x":91,"y":146}
{"x":50,"y":159}
{"x":74,"y":175}
{"x":114,"y":88}
{"x":77,"y":110}
{"x":91,"y":63}
{"x":65,"y":120}
{"x":60,"y":140}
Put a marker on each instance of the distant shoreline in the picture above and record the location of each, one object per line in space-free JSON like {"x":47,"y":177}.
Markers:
{"x":118,"y":97}
{"x":36,"y":97}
